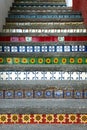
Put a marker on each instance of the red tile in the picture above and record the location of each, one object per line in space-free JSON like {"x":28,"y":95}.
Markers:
{"x":45,"y":39}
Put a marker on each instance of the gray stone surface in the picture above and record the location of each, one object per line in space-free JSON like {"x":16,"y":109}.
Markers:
{"x":43,"y":127}
{"x":42,"y":106}
{"x":43,"y":85}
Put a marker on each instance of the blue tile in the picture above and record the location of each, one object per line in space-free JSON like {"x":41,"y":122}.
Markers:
{"x":68,"y":94}
{"x":58,"y":94}
{"x":1,"y":94}
{"x":38,"y":94}
{"x":30,"y":49}
{"x":78,"y":94}
{"x":28,"y":93}
{"x":19,"y":94}
{"x":9,"y":94}
{"x":85,"y":93}
{"x":14,"y":49}
{"x":49,"y":93}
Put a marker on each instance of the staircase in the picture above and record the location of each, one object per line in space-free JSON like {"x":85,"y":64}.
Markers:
{"x":43,"y":67}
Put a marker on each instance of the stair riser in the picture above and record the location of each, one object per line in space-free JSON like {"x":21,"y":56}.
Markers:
{"x":24,"y":1}
{"x":45,"y":16}
{"x":45,"y":94}
{"x":40,"y":5}
{"x":43,"y":48}
{"x":42,"y":60}
{"x":42,"y":38}
{"x":51,"y":24}
{"x":43,"y":119}
{"x":45,"y":30}
{"x":41,"y":75}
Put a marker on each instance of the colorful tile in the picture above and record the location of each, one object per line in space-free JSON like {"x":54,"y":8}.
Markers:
{"x":58,"y":94}
{"x":42,"y":75}
{"x":1,"y":94}
{"x":28,"y":94}
{"x":48,"y":93}
{"x":43,"y":60}
{"x":43,"y":119}
{"x":78,"y":94}
{"x":38,"y":94}
{"x":44,"y":48}
{"x":85,"y":93}
{"x":19,"y":94}
{"x":68,"y":94}
{"x":14,"y":49}
{"x":9,"y":94}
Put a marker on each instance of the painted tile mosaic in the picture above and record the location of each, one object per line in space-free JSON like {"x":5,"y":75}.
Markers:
{"x":43,"y":60}
{"x":42,"y":75}
{"x":44,"y":48}
{"x":74,"y":30}
{"x":45,"y":94}
{"x":42,"y":38}
{"x":45,"y":16}
{"x":43,"y":118}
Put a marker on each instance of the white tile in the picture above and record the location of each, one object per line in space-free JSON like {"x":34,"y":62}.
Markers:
{"x":66,"y":48}
{"x":61,"y":39}
{"x":29,"y":48}
{"x":59,"y":48}
{"x":74,"y":48}
{"x":14,"y":49}
{"x":6,"y":48}
{"x":28,"y":39}
{"x":51,"y":48}
{"x":36,"y":48}
{"x":81,"y":48}
{"x":22,"y":49}
{"x":44,"y":48}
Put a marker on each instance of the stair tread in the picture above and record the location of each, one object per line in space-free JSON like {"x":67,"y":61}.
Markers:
{"x":69,"y":68}
{"x":44,"y":20}
{"x":43,"y":106}
{"x":40,"y":8}
{"x":44,"y":27}
{"x":42,"y":34}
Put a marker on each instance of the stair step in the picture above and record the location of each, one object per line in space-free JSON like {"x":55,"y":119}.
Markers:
{"x":34,"y":37}
{"x":41,"y":4}
{"x":45,"y":16}
{"x":45,"y":127}
{"x":42,"y":106}
{"x":36,"y":24}
{"x":43,"y":85}
{"x":38,"y":11}
{"x":24,"y":1}
{"x":40,"y":8}
{"x":44,"y":20}
{"x":81,"y":46}
{"x":47,"y":31}
{"x":47,"y":26}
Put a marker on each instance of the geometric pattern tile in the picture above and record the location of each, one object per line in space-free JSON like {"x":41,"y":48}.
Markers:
{"x":46,"y":94}
{"x":42,"y":75}
{"x":43,"y":118}
{"x":44,"y":48}
{"x":45,"y":30}
{"x":45,"y":16}
{"x":44,"y":60}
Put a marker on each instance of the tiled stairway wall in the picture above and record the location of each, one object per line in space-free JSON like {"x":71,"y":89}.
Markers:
{"x":43,"y":65}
